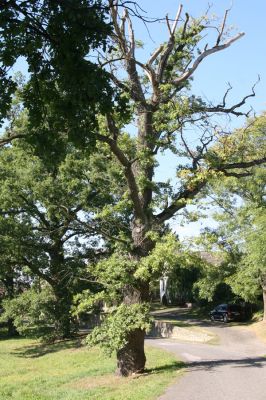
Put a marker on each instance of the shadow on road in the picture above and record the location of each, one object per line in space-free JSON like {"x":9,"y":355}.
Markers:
{"x":212,"y":365}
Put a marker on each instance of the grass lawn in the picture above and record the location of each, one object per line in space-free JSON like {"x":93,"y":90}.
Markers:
{"x":69,"y":371}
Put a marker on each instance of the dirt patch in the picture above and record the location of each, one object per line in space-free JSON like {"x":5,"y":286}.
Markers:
{"x":92,"y":382}
{"x":110,"y":380}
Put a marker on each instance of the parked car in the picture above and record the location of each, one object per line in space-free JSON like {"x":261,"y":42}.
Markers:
{"x":228,"y":312}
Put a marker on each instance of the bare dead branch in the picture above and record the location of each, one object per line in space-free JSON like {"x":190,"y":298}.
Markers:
{"x":131,"y":36}
{"x":169,"y":47}
{"x":168,"y":25}
{"x":179,"y":11}
{"x":222,"y":28}
{"x":185,"y":26}
{"x":155,"y":54}
{"x":232,"y":110}
{"x":203,"y":55}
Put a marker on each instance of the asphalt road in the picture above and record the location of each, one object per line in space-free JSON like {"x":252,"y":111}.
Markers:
{"x":234,"y":369}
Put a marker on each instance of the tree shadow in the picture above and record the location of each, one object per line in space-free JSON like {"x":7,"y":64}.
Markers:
{"x":212,"y":365}
{"x":173,"y":366}
{"x":41,"y":349}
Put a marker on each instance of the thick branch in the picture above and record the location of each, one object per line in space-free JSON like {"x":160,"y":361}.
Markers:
{"x":179,"y":202}
{"x":132,"y":184}
{"x":8,"y":139}
{"x":128,"y":54}
{"x":243,"y":164}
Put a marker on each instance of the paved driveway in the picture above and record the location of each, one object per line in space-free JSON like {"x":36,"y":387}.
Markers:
{"x":235,"y":369}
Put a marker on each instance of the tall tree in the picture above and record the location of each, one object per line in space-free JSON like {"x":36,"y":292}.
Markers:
{"x":163,"y":110}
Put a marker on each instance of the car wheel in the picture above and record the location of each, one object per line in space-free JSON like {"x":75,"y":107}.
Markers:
{"x":225,"y":318}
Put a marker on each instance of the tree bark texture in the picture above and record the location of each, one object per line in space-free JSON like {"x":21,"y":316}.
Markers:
{"x":64,"y":326}
{"x":9,"y":284}
{"x":131,"y":359}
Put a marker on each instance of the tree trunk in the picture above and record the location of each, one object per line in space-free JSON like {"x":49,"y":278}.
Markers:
{"x":131,"y":359}
{"x":64,"y":326}
{"x":9,"y":284}
{"x":11,"y":329}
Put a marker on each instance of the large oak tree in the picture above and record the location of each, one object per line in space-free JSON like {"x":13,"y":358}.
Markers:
{"x":160,"y":104}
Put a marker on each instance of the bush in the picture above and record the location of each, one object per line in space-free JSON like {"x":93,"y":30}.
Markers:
{"x":33,"y":313}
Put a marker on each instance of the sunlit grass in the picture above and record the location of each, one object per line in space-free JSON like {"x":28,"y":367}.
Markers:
{"x":260,"y":329}
{"x":70,"y":371}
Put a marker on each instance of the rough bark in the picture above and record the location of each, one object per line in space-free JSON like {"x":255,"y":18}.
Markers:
{"x":131,"y":359}
{"x":9,"y":284}
{"x":64,"y":326}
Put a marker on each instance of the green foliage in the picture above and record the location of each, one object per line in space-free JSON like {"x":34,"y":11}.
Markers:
{"x":33,"y":313}
{"x":251,"y":269}
{"x":168,"y":252}
{"x":66,"y":89}
{"x":241,"y":231}
{"x":113,"y":334}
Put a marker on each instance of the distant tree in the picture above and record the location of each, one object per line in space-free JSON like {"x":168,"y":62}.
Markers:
{"x":240,"y":235}
{"x":47,"y":224}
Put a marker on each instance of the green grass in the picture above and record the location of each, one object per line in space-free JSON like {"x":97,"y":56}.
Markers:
{"x":70,"y":371}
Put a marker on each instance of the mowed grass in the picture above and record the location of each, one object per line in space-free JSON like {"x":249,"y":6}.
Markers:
{"x":70,"y":371}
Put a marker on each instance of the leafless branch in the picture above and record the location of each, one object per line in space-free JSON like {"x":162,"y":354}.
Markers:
{"x":222,"y":28}
{"x":155,"y":55}
{"x":169,"y":47}
{"x":179,"y":11}
{"x":203,"y":55}
{"x":232,"y":110}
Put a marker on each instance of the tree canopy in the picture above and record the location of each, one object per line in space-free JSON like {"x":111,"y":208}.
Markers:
{"x":155,"y":97}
